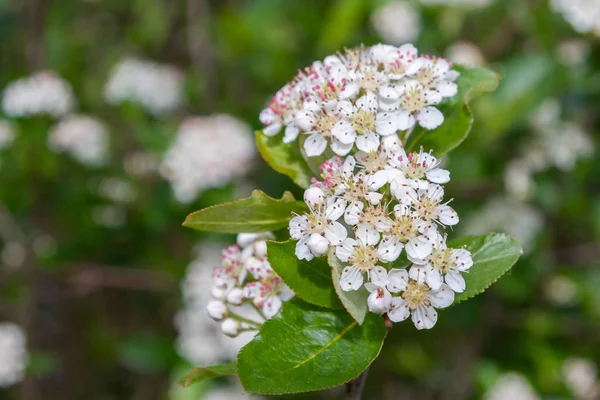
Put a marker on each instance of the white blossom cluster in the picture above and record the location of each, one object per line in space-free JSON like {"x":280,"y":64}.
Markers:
{"x":583,"y":15}
{"x":84,"y":137}
{"x":555,"y":143}
{"x":43,"y":93}
{"x":370,"y":209}
{"x":397,"y":22}
{"x":246,"y":290}
{"x":354,"y":98}
{"x":207,"y":152}
{"x":13,"y":354}
{"x":157,"y":88}
{"x":581,"y":377}
{"x":511,"y":385}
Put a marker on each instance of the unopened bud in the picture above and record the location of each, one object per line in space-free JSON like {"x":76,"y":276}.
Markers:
{"x":218,"y":293}
{"x":230,"y":327}
{"x":235,"y":296}
{"x":314,"y":196}
{"x":216,"y":309}
{"x":318,"y":245}
{"x":260,"y":248}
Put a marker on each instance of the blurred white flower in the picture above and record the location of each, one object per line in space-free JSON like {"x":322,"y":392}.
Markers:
{"x":465,"y":53}
{"x":43,"y":93}
{"x":207,"y":152}
{"x":140,"y":163}
{"x":109,"y":216}
{"x":117,"y":189}
{"x":458,"y":3}
{"x":581,"y":377}
{"x":83,"y":137}
{"x":13,"y":354}
{"x":200,"y":340}
{"x":13,"y":254}
{"x":7,"y":134}
{"x":511,"y":386}
{"x":561,"y":291}
{"x":518,"y":219}
{"x":518,"y":179}
{"x":397,"y":22}
{"x":155,"y":87}
{"x":583,"y":15}
{"x":572,"y":52}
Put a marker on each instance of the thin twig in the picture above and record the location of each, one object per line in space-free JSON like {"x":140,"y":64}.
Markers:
{"x":355,"y":387}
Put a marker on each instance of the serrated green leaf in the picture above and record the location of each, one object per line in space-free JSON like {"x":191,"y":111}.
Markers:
{"x":493,"y":255}
{"x":306,"y":348}
{"x":458,"y":118}
{"x":284,"y":158}
{"x":257,"y":213}
{"x":310,"y":280}
{"x":200,"y":374}
{"x":355,"y":301}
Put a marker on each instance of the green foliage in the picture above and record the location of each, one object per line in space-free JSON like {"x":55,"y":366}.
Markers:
{"x":493,"y":255}
{"x":355,"y":301}
{"x":257,"y":213}
{"x":307,"y":348}
{"x":284,"y":158}
{"x":310,"y":280}
{"x":200,"y":374}
{"x":458,"y":118}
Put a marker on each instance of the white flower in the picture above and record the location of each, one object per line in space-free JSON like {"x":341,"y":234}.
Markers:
{"x":420,"y":302}
{"x":581,"y":377}
{"x":335,"y":172}
{"x":231,"y":327}
{"x":84,"y":137}
{"x":417,"y":103}
{"x":156,"y":88}
{"x":281,"y":111}
{"x":397,"y":22}
{"x":318,"y":124}
{"x":361,"y":255}
{"x":232,"y":270}
{"x":583,"y":15}
{"x":318,"y":230}
{"x":216,"y":309}
{"x":435,"y":74}
{"x":207,"y":152}
{"x":465,"y":53}
{"x":442,"y":265}
{"x":359,"y":123}
{"x":117,"y":189}
{"x":268,"y":292}
{"x":13,"y":354}
{"x":405,"y":232}
{"x":511,"y":386}
{"x":419,"y":168}
{"x":428,"y":207}
{"x":43,"y":93}
{"x":362,"y":187}
{"x":7,"y":134}
{"x":375,"y":216}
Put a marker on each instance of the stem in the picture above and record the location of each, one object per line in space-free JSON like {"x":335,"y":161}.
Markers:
{"x":245,"y":320}
{"x":407,"y":134}
{"x":355,"y":387}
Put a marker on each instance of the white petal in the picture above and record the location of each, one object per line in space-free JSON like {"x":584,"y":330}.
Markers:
{"x":463,"y":259}
{"x":344,"y":251}
{"x":389,"y":249}
{"x":305,"y":120}
{"x":438,"y":175}
{"x":348,"y":166}
{"x":424,"y":317}
{"x":336,"y":233}
{"x":367,"y":235}
{"x":318,"y":245}
{"x":415,"y":65}
{"x":418,"y":273}
{"x":368,"y":142}
{"x":298,"y":226}
{"x":314,"y":196}
{"x":335,"y":210}
{"x":379,"y":300}
{"x":388,"y":93}
{"x":353,"y":213}
{"x":377,"y":180}
{"x":386,"y":123}
{"x":351,"y":279}
{"x":291,"y":133}
{"x":399,"y":310}
{"x":339,"y":148}
{"x":455,"y":281}
{"x":447,"y":89}
{"x":418,"y":248}
{"x":374,"y":197}
{"x":433,"y":279}
{"x":302,"y":250}
{"x":430,"y":117}
{"x":405,"y":120}
{"x":345,"y":108}
{"x":315,"y":145}
{"x":441,"y":298}
{"x":379,"y":275}
{"x":271,"y":306}
{"x":447,"y":215}
{"x":272,"y":129}
{"x":344,"y":132}
{"x":397,"y":280}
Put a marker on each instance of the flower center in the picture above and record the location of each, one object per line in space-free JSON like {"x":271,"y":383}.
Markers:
{"x":443,"y":260}
{"x":325,"y":124}
{"x":368,"y":82}
{"x":413,"y":100}
{"x":427,"y":208}
{"x":363,"y":258}
{"x":363,"y":121}
{"x":317,"y":222}
{"x":374,"y":161}
{"x":356,"y":190}
{"x":414,"y":169}
{"x":426,"y":77}
{"x":373,"y":216}
{"x":404,"y":228}
{"x":416,"y":295}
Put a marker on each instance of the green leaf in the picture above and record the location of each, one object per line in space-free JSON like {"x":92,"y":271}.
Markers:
{"x":458,"y":118}
{"x":284,"y":158}
{"x":306,"y":348}
{"x":355,"y":302}
{"x":200,"y":374}
{"x":493,"y":255}
{"x":257,"y":213}
{"x":310,"y":280}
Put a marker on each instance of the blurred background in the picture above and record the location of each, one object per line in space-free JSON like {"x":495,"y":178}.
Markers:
{"x":118,"y":118}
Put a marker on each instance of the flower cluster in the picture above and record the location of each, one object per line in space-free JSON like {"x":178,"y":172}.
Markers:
{"x":583,"y":15}
{"x":43,"y":93}
{"x":84,"y":137}
{"x":355,"y":98}
{"x":372,"y":207}
{"x":13,"y":354}
{"x":156,"y":88}
{"x":207,"y":152}
{"x":246,"y":291}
